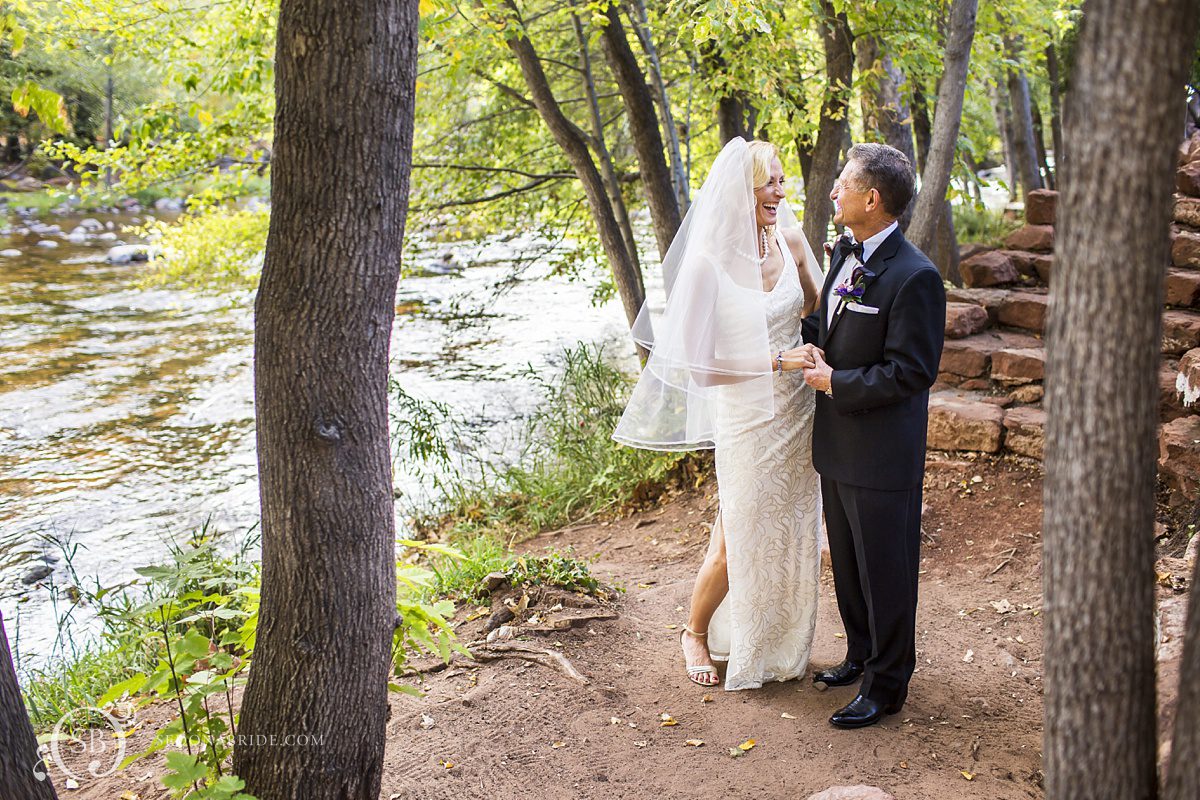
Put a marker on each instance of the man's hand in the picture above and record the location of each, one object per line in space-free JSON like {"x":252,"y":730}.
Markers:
{"x":802,"y":357}
{"x":820,"y":375}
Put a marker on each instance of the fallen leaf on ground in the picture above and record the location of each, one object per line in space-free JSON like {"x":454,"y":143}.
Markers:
{"x":667,"y":720}
{"x":1002,"y":606}
{"x":694,"y":742}
{"x":706,"y":699}
{"x":557,"y":745}
{"x":968,"y":775}
{"x":969,"y":657}
{"x":426,"y":722}
{"x":640,"y":744}
{"x":735,"y":753}
{"x":903,"y":765}
{"x":747,"y":745}
{"x":448,"y":764}
{"x":786,"y":715}
{"x":615,"y":720}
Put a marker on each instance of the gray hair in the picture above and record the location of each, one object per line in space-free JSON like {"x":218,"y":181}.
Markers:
{"x":886,"y":170}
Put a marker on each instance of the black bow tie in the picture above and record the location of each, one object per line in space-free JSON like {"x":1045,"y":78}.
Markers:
{"x":848,"y":246}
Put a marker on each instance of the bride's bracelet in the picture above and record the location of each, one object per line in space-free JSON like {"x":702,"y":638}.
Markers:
{"x":779,"y":361}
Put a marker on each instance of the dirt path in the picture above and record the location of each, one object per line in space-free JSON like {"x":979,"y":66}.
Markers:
{"x":972,"y":727}
{"x":512,"y":729}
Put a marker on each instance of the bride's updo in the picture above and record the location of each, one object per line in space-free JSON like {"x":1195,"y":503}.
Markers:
{"x":761,"y":155}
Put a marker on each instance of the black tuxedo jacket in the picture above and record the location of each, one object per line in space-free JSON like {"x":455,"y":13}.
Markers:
{"x":871,"y":433}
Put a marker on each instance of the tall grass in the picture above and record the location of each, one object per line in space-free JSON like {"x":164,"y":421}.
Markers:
{"x":568,"y":468}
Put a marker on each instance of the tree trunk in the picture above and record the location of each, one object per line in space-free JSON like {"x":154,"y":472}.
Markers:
{"x":1004,"y":127}
{"x":1122,"y":123}
{"x":608,"y":173}
{"x":1055,"y":106}
{"x":323,"y":319}
{"x":885,"y":111}
{"x":644,"y":130}
{"x":935,"y":178}
{"x":21,"y":771}
{"x":1039,"y":144}
{"x":835,"y":121}
{"x":573,"y":143}
{"x":1024,"y":148}
{"x":679,"y":177}
{"x":1183,"y":773}
{"x":922,"y":130}
{"x":731,"y":119}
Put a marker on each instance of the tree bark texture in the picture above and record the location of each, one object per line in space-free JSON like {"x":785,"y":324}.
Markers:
{"x":1004,"y":126}
{"x":922,"y":129}
{"x":1055,"y":80}
{"x":608,"y":172}
{"x":323,"y":320}
{"x":679,"y":176}
{"x":1122,"y":124}
{"x":1024,"y":148}
{"x":573,"y":143}
{"x":1183,"y":773}
{"x":831,"y":131}
{"x":886,"y":116}
{"x":20,"y":764}
{"x":644,"y":130}
{"x":1039,"y":145}
{"x":935,"y":178}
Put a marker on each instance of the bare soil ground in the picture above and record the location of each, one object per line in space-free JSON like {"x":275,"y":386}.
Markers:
{"x":515,"y":728}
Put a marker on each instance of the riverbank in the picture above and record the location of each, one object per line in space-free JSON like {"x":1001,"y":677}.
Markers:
{"x":514,"y":728}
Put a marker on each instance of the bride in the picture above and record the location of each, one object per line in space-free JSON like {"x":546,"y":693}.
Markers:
{"x":739,"y":277}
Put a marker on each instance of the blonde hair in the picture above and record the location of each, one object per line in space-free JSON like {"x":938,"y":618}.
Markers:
{"x":761,"y":155}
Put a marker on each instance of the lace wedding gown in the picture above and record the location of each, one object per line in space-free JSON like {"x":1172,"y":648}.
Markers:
{"x":769,"y":514}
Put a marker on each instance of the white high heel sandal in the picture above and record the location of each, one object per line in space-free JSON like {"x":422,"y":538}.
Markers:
{"x":694,"y":673}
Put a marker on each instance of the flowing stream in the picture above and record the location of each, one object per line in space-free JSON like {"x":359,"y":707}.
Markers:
{"x":126,"y":414}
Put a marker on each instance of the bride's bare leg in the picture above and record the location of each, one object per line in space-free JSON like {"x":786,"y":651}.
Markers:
{"x":712,"y":584}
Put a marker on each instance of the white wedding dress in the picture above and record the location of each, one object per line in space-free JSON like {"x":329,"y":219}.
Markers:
{"x":769,"y":514}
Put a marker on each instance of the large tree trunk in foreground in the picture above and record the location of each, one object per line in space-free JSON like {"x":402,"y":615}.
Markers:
{"x":19,"y":759}
{"x":573,"y":143}
{"x":644,"y":130}
{"x":832,"y":129}
{"x":323,"y":320}
{"x":1122,"y":124}
{"x":935,"y":178}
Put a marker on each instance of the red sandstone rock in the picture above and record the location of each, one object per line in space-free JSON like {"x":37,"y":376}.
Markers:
{"x":1024,"y":431}
{"x":964,"y":319}
{"x":1189,"y":150}
{"x":1019,"y":366}
{"x":1037,"y":238}
{"x":1183,"y":287}
{"x":1040,"y":205}
{"x":971,"y":357}
{"x":1187,"y":210}
{"x":1024,"y":310}
{"x":1185,"y":249}
{"x":1179,"y":458}
{"x":962,"y":423}
{"x":1187,"y":179}
{"x":990,"y":299}
{"x":972,"y":249}
{"x":1042,"y":265}
{"x":992,"y":268}
{"x":1171,"y":377}
{"x":1029,"y":393}
{"x":1181,"y":331}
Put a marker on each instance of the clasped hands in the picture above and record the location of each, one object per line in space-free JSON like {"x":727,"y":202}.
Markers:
{"x":811,"y":359}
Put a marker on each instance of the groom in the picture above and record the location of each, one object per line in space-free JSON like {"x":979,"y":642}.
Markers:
{"x":872,"y":351}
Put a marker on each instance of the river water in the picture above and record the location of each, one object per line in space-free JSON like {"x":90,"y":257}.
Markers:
{"x":126,"y":414}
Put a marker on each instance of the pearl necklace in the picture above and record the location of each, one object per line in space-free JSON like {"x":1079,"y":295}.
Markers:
{"x":758,"y":260}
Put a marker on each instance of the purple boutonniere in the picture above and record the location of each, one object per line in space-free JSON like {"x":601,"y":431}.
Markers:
{"x":851,"y":291}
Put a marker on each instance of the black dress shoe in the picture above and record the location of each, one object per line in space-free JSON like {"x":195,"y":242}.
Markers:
{"x":843,"y":674}
{"x":861,"y":712}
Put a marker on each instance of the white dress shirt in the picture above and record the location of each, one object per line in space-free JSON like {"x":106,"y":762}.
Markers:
{"x":869,"y":246}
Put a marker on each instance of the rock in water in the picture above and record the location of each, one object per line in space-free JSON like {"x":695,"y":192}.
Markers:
{"x":125,"y":253}
{"x":36,"y":574}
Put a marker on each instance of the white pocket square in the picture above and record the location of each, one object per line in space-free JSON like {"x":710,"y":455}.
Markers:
{"x":861,"y":309}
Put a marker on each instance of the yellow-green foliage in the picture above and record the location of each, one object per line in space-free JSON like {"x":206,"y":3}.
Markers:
{"x":214,"y":250}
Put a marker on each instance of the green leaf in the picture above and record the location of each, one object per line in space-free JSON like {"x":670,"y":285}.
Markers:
{"x":185,"y":770}
{"x":130,"y":685}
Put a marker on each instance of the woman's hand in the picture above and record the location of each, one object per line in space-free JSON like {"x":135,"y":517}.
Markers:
{"x":803,"y":357}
